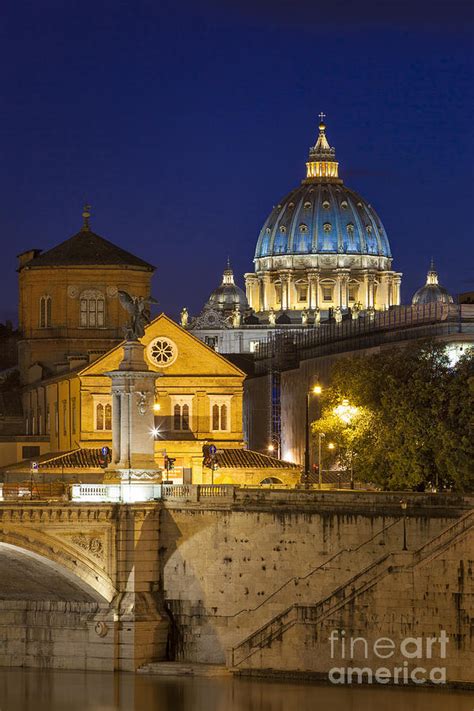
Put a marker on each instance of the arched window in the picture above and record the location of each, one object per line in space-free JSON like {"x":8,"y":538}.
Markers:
{"x":185,"y":417}
{"x":99,"y":416}
{"x":181,"y":415}
{"x":220,"y":411}
{"x":45,"y":312}
{"x":177,"y":417}
{"x":92,"y":309}
{"x":223,"y":417}
{"x":102,"y":413}
{"x":108,"y":417}
{"x":215,"y":417}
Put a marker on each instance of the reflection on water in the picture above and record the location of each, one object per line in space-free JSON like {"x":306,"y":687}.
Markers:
{"x":44,"y":690}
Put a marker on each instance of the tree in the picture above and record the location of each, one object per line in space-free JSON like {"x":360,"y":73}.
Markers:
{"x":412,"y":423}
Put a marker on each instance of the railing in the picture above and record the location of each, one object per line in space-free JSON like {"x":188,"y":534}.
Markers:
{"x":95,"y":492}
{"x":34,"y":491}
{"x":196,"y":492}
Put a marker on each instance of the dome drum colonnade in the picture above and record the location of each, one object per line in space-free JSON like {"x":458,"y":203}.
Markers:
{"x":322,"y":247}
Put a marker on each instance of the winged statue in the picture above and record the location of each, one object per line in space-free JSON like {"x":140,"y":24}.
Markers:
{"x":139,"y":309}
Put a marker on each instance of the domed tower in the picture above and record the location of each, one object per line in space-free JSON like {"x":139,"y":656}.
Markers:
{"x":228,"y":296}
{"x":432,"y":292}
{"x":323,"y":246}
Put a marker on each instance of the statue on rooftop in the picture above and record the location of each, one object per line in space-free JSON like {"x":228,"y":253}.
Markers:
{"x":139,"y":309}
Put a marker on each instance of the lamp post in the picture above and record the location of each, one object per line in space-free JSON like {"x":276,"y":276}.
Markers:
{"x":321,"y":436}
{"x":404,"y":505}
{"x":315,"y":390}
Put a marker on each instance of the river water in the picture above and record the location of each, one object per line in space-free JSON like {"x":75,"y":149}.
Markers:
{"x":45,"y":690}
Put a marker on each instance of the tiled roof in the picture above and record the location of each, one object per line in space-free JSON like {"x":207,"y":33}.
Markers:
{"x":87,"y":248}
{"x":76,"y":459}
{"x":248,"y":459}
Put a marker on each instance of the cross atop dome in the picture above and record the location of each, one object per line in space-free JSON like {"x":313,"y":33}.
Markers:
{"x":86,"y":214}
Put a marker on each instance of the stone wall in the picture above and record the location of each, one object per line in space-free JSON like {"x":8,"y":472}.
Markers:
{"x":407,"y":600}
{"x":228,"y":571}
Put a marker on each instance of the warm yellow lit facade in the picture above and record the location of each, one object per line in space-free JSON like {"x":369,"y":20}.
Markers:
{"x":198,"y":400}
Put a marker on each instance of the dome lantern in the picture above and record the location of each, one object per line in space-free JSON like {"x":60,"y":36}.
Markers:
{"x":322,"y":162}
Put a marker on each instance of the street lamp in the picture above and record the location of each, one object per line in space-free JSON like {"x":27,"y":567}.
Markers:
{"x":404,"y":505}
{"x":315,"y":390}
{"x":346,"y":413}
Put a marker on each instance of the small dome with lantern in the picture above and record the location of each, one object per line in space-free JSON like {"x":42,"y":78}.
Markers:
{"x":228,"y":295}
{"x":432,"y":292}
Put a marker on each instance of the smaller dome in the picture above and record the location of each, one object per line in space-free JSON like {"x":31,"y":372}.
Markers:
{"x":432,"y":292}
{"x":228,"y":295}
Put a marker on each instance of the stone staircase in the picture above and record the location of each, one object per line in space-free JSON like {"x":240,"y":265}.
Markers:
{"x":347,"y":592}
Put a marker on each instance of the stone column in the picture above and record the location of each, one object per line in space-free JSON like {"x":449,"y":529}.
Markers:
{"x":285,"y":301}
{"x":343,"y":287}
{"x":369,"y":279}
{"x":251,"y":289}
{"x":397,"y":281}
{"x":133,"y":386}
{"x":313,"y":290}
{"x":116,"y":433}
{"x":266,"y":291}
{"x":141,"y":625}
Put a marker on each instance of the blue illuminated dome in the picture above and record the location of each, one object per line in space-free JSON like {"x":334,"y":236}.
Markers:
{"x":322,"y":215}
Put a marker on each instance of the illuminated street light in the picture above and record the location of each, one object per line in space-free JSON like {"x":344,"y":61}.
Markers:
{"x":156,"y":407}
{"x":331,"y":445}
{"x":346,"y":412}
{"x":271,"y":447}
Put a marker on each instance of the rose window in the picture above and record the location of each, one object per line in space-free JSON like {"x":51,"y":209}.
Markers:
{"x":162,"y":352}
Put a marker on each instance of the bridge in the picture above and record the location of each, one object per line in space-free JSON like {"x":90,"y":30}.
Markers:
{"x":205,"y":571}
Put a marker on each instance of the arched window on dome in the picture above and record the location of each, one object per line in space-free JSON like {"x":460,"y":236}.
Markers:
{"x":92,"y":309}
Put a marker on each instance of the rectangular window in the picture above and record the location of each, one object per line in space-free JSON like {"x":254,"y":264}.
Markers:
{"x":302,"y":293}
{"x":92,"y":312}
{"x":327,"y":293}
{"x":353,"y":293}
{"x":30,"y":451}
{"x":211,"y":341}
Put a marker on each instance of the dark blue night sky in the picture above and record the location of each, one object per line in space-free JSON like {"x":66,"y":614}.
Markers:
{"x":184,"y":123}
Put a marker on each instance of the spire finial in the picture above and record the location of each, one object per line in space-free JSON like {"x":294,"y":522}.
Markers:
{"x":228,"y":263}
{"x":322,"y":116}
{"x":86,"y":213}
{"x":432,"y":265}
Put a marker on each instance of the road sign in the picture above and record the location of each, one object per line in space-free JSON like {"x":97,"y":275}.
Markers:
{"x":34,"y":466}
{"x":212,"y":450}
{"x":104,"y":451}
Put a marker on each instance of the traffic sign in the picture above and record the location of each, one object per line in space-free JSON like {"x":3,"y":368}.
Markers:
{"x":104,"y":451}
{"x":212,"y":450}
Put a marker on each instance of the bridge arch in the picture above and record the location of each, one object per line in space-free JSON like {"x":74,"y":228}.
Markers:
{"x":53,"y":563}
